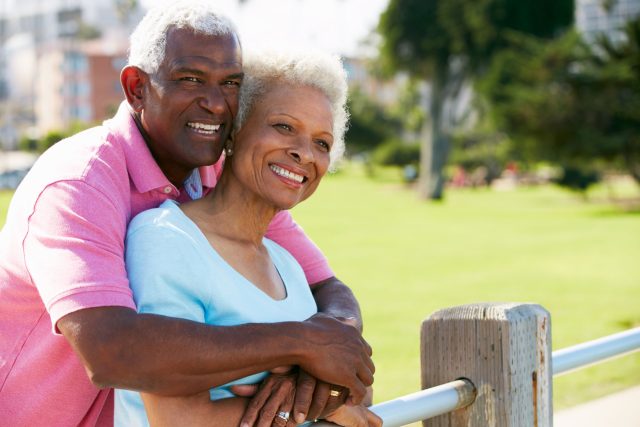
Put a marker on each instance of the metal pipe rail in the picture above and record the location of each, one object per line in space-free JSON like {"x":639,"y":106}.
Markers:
{"x":423,"y":404}
{"x":590,"y":352}
{"x":457,"y":394}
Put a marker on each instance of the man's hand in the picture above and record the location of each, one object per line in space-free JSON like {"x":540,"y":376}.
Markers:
{"x":315,"y":398}
{"x":344,"y":357}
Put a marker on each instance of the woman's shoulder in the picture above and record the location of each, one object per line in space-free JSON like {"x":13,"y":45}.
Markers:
{"x":282,"y":258}
{"x":277,"y":251}
{"x":164,"y":221}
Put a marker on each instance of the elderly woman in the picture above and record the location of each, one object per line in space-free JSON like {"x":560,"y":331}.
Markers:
{"x":289,"y":131}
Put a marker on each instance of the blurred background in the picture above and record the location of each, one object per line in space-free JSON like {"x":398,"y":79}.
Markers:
{"x":493,"y":151}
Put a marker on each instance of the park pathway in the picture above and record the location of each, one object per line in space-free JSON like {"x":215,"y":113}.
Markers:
{"x":620,"y":409}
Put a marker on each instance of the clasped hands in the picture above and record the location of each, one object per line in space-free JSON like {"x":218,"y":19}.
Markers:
{"x":288,"y":391}
{"x":290,"y":395}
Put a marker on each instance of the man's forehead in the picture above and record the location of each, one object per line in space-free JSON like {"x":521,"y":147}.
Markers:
{"x":187,"y":48}
{"x":185,"y":62}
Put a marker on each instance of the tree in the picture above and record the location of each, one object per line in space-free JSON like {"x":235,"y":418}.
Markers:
{"x":369,"y":125}
{"x":571,"y":103}
{"x":449,"y":41}
{"x":125,"y":9}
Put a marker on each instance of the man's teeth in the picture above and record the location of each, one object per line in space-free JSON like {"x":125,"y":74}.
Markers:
{"x":204,"y":128}
{"x":287,"y":174}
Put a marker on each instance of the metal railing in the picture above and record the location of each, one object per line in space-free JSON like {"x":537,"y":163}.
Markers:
{"x":590,"y":352}
{"x":457,"y":394}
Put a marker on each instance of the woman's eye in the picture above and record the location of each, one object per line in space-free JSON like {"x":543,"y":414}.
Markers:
{"x":324,"y":144}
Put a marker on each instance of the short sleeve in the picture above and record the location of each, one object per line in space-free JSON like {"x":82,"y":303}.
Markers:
{"x":284,"y":231}
{"x":74,"y":249}
{"x":162,"y":264}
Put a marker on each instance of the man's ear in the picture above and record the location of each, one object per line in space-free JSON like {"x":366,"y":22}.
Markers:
{"x":133,"y":80}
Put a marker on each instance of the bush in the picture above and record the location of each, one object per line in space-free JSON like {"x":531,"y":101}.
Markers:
{"x":397,"y":153}
{"x":577,"y":178}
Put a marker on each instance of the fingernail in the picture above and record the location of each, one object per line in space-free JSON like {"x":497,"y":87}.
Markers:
{"x":244,"y":424}
{"x":299,"y":417}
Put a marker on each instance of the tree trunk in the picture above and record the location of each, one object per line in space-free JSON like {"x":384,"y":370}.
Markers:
{"x":435,"y":140}
{"x":632,"y":158}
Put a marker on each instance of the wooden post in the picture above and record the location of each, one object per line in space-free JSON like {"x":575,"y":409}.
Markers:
{"x":505,"y":350}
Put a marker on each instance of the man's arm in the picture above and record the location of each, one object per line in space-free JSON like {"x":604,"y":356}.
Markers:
{"x":169,"y":356}
{"x":335,"y":299}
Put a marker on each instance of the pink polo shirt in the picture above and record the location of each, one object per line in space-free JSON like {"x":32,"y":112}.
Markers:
{"x":62,"y":250}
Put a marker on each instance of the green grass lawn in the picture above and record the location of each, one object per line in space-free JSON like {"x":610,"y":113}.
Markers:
{"x":405,"y":259}
{"x":5,"y":197}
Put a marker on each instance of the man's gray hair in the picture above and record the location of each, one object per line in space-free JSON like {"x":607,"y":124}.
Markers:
{"x":148,"y":41}
{"x":322,"y":71}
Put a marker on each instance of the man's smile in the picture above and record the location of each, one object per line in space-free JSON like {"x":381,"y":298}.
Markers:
{"x":204,"y":128}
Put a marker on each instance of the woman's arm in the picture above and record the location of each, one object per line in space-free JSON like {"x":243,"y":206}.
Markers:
{"x":193,"y":411}
{"x":356,"y":416}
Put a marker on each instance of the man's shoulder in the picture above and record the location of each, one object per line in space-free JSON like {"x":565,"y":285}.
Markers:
{"x":89,"y":159}
{"x":93,"y":155}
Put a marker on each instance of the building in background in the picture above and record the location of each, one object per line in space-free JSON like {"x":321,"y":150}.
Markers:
{"x":78,"y":82}
{"x":384,"y":91}
{"x":60,"y":62}
{"x":608,"y":17}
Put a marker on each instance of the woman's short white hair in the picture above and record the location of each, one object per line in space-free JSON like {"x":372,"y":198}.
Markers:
{"x":316,"y":69}
{"x":148,"y":41}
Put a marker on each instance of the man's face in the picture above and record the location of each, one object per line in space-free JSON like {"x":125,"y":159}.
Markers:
{"x":189,"y":104}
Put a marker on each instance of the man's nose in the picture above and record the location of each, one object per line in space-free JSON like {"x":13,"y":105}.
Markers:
{"x":213,"y":100}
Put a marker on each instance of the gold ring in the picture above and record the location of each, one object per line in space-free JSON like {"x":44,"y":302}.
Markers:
{"x":334,"y":393}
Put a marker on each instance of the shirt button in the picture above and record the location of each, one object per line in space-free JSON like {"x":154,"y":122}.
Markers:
{"x":167,"y":190}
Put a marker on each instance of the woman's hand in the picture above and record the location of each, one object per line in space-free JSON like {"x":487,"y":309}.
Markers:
{"x":274,"y":396}
{"x":354,"y":416}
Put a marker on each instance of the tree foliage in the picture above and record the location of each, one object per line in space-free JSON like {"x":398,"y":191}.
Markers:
{"x":369,"y":125}
{"x":450,"y":41}
{"x":48,"y":140}
{"x":571,"y":103}
{"x":418,"y":33}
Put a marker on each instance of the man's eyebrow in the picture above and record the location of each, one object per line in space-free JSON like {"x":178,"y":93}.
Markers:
{"x":199,"y":72}
{"x":189,"y":70}
{"x":236,"y":76}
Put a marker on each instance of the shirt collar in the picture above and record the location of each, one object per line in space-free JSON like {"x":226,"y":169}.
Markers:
{"x":143,"y":170}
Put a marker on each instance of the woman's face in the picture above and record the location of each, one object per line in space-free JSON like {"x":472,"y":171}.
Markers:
{"x":282,"y":151}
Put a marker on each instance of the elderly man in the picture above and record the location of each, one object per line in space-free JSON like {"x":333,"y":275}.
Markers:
{"x":68,"y":326}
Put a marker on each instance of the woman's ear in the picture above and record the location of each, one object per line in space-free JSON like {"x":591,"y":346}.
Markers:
{"x":228,"y":145}
{"x":133,"y":80}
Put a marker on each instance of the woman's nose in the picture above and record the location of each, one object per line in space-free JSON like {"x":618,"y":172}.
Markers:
{"x":301,"y":151}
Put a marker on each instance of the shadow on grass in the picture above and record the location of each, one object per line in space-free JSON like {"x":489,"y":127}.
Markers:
{"x":615,"y":207}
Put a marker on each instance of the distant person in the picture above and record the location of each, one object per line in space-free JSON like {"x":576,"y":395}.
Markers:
{"x":289,"y":128}
{"x":69,"y":330}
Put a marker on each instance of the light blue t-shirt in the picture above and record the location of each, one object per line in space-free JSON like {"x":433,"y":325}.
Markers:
{"x":174,"y":271}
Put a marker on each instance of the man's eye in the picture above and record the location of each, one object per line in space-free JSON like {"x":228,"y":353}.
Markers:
{"x":284,"y":126}
{"x":232,"y":83}
{"x":190,"y":79}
